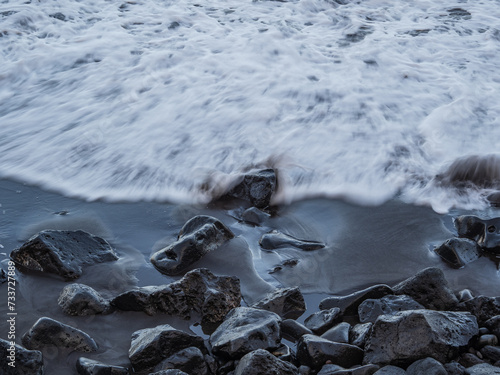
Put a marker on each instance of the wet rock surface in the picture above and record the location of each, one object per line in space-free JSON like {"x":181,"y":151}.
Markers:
{"x":458,"y":252}
{"x":370,"y":309}
{"x":286,"y":302}
{"x":276,"y":240}
{"x":260,"y":362}
{"x":80,"y":299}
{"x":16,"y":360}
{"x":86,"y":366}
{"x":255,"y":187}
{"x":63,"y":253}
{"x":485,"y":232}
{"x":323,"y":320}
{"x":190,"y":360}
{"x":293,"y":330}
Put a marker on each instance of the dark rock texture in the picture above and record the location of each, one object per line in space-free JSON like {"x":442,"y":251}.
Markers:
{"x":370,"y":309}
{"x":246,"y":329}
{"x":190,"y":360}
{"x":3,"y":276}
{"x":483,"y":369}
{"x":168,"y":372}
{"x":86,"y":366}
{"x":80,"y":299}
{"x":48,"y":332}
{"x":457,"y":252}
{"x":254,"y":216}
{"x":286,"y":302}
{"x":261,"y":362}
{"x":199,"y":291}
{"x":293,"y":330}
{"x":484,"y":308}
{"x":23,"y":361}
{"x":338,"y":333}
{"x":361,"y":370}
{"x":390,"y":370}
{"x":359,"y":334}
{"x":323,"y":320}
{"x":408,"y":336}
{"x":275,"y":240}
{"x":485,"y":232}
{"x":62,"y":253}
{"x":255,"y":187}
{"x":427,"y":366}
{"x":198,"y":236}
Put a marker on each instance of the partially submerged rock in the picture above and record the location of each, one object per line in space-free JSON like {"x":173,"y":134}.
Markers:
{"x":199,"y":236}
{"x":371,"y":309}
{"x":63,"y":253}
{"x":80,"y":299}
{"x":47,"y":332}
{"x":457,"y":252}
{"x":286,"y":302}
{"x":255,"y":187}
{"x":261,"y":362}
{"x":321,"y":321}
{"x":275,"y":240}
{"x":86,"y":366}
{"x":16,"y":360}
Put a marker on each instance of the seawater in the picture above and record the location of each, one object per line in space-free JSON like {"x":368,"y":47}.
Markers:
{"x":169,"y":100}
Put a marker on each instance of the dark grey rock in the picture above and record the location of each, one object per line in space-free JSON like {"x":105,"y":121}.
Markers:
{"x":427,"y":366}
{"x":62,"y":253}
{"x":255,"y":187}
{"x":80,"y":299}
{"x":484,"y":308}
{"x":491,"y":352}
{"x":199,"y":236}
{"x":3,"y":276}
{"x":457,"y":252}
{"x":329,"y":369}
{"x":314,"y":351}
{"x":321,"y":321}
{"x":304,"y":370}
{"x":190,"y":360}
{"x":58,"y":16}
{"x":482,"y":369}
{"x":487,"y":339}
{"x":150,"y":346}
{"x":359,"y":334}
{"x":465,"y":295}
{"x":349,"y":304}
{"x":293,"y":330}
{"x":254,"y":216}
{"x":390,"y":370}
{"x":261,"y":362}
{"x":408,"y":336}
{"x":199,"y":291}
{"x":429,"y":288}
{"x":244,"y":330}
{"x":276,"y":240}
{"x":284,"y":353}
{"x":168,"y":372}
{"x":493,"y":325}
{"x":484,"y":331}
{"x":86,"y":366}
{"x":469,"y":226}
{"x":454,"y":368}
{"x":22,"y":361}
{"x":47,"y":332}
{"x":361,"y":370}
{"x":469,"y":360}
{"x":338,"y":333}
{"x":286,"y":302}
{"x":370,"y":309}
{"x":485,"y":232}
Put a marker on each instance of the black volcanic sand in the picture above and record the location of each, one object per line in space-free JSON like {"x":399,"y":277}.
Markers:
{"x":365,"y":246}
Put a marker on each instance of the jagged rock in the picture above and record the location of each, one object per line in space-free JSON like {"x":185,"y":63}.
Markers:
{"x":491,"y":352}
{"x":390,"y":370}
{"x":275,"y":240}
{"x":429,"y":288}
{"x":255,"y":187}
{"x":408,"y":336}
{"x":483,"y":369}
{"x":469,"y":226}
{"x":329,"y":369}
{"x":254,"y":216}
{"x":190,"y":360}
{"x":338,"y":333}
{"x":359,"y":334}
{"x":349,"y":304}
{"x":457,"y":252}
{"x":321,"y":321}
{"x":484,"y":308}
{"x":86,"y":366}
{"x":199,"y":291}
{"x":485,"y":232}
{"x":80,"y":299}
{"x":199,"y":236}
{"x":454,"y":368}
{"x":246,"y":329}
{"x":261,"y":362}
{"x":286,"y":302}
{"x":293,"y":330}
{"x":22,"y":361}
{"x":314,"y":351}
{"x":62,"y":253}
{"x":427,"y":366}
{"x":370,"y":309}
{"x":48,"y":332}
{"x":150,"y":346}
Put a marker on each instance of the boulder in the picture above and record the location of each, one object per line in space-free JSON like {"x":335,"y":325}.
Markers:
{"x":485,"y":232}
{"x":454,"y":368}
{"x":16,"y":360}
{"x":329,"y":369}
{"x":286,"y":302}
{"x":457,"y":252}
{"x":86,"y":366}
{"x":469,"y":226}
{"x":284,"y":353}
{"x":370,"y":309}
{"x":190,"y":360}
{"x":3,"y":276}
{"x":338,"y":333}
{"x":429,"y":288}
{"x":255,"y":187}
{"x":168,"y":372}
{"x":408,"y":336}
{"x":276,"y":240}
{"x":359,"y":334}
{"x":254,"y":216}
{"x":314,"y":351}
{"x":321,"y":321}
{"x":293,"y":330}
{"x":483,"y":307}
{"x":483,"y":369}
{"x":151,"y":346}
{"x":427,"y":366}
{"x":63,"y":253}
{"x":261,"y":362}
{"x":47,"y":332}
{"x":199,"y":236}
{"x":244,"y":330}
{"x":390,"y":370}
{"x":80,"y":299}
{"x":491,"y":352}
{"x":487,"y":339}
{"x":493,"y":325}
{"x":199,"y":291}
{"x":469,"y":360}
{"x":361,"y":370}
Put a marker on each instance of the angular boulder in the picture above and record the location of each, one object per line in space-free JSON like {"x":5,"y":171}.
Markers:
{"x":16,"y":360}
{"x":485,"y":232}
{"x":427,"y":366}
{"x":63,"y":253}
{"x":261,"y":362}
{"x":199,"y":236}
{"x":338,"y":333}
{"x":275,"y":240}
{"x":293,"y":330}
{"x":79,"y":299}
{"x":407,"y":336}
{"x":190,"y":360}
{"x":370,"y":309}
{"x":286,"y":302}
{"x":483,"y":307}
{"x":323,"y":320}
{"x":86,"y":366}
{"x":359,"y":334}
{"x":457,"y":252}
{"x":255,"y":187}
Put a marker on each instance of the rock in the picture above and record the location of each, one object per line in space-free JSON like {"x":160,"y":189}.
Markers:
{"x":286,"y":302}
{"x":359,"y":334}
{"x":255,"y":187}
{"x":429,"y":288}
{"x":284,"y":353}
{"x":151,"y":346}
{"x":314,"y":351}
{"x":199,"y":236}
{"x":244,"y":330}
{"x":487,"y":340}
{"x":469,"y":360}
{"x":484,"y":308}
{"x":454,"y":368}
{"x":329,"y":369}
{"x":485,"y":232}
{"x":168,"y":372}
{"x":86,"y":366}
{"x":254,"y":216}
{"x":62,"y":253}
{"x":470,"y":227}
{"x":494,"y":199}
{"x":390,"y":370}
{"x":427,"y":366}
{"x":349,"y":304}
{"x":261,"y":362}
{"x":338,"y":333}
{"x":408,"y":336}
{"x":370,"y":309}
{"x":482,"y":369}
{"x":293,"y":330}
{"x":48,"y":332}
{"x":3,"y":276}
{"x":199,"y":291}
{"x":22,"y":361}
{"x":275,"y":240}
{"x":304,"y":370}
{"x":465,"y":295}
{"x":491,"y":352}
{"x":80,"y":299}
{"x":189,"y":360}
{"x":321,"y":321}
{"x":361,"y":370}
{"x":493,"y":325}
{"x":457,"y":252}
